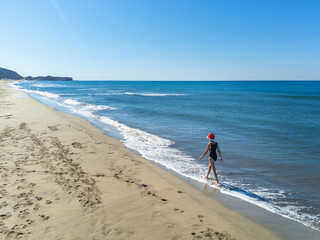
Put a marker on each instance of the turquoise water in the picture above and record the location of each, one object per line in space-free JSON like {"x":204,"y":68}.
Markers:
{"x":268,"y":132}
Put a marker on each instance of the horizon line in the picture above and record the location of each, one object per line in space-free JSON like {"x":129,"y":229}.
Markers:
{"x":192,"y":80}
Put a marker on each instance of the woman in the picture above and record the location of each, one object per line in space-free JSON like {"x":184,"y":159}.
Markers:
{"x":212,"y":147}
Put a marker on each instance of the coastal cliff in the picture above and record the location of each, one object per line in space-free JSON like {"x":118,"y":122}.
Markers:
{"x":9,"y":74}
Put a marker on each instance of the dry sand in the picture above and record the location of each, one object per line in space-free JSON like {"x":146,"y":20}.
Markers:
{"x":62,"y":178}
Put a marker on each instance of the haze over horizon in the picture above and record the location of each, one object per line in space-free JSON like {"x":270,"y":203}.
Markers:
{"x":162,"y":40}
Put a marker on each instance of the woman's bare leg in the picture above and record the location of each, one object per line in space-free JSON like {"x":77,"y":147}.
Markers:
{"x":209,"y":170}
{"x":211,"y":161}
{"x":215,"y":173}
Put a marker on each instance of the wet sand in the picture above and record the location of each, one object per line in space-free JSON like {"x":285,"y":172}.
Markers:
{"x":62,"y":178}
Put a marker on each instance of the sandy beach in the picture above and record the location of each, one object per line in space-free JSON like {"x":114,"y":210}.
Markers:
{"x":62,"y":178}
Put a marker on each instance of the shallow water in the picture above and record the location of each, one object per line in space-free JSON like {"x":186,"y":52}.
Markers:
{"x":268,"y":132}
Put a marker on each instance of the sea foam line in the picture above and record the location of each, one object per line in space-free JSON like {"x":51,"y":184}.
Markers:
{"x":47,"y":85}
{"x":69,"y":102}
{"x":88,"y":106}
{"x":139,"y":94}
{"x":42,"y":93}
{"x":154,"y":94}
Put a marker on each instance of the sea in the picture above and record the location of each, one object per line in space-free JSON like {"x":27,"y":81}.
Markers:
{"x":268,"y":132}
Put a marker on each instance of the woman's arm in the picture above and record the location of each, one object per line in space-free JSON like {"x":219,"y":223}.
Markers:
{"x":219,"y":152}
{"x":205,"y":151}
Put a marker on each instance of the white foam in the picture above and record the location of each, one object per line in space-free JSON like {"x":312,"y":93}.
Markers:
{"x":153,"y":147}
{"x":71,"y":101}
{"x":154,"y":94}
{"x":99,"y":107}
{"x":289,"y":211}
{"x":47,"y":85}
{"x":82,"y":112}
{"x":87,"y":106}
{"x":44,"y":94}
{"x":15,"y":86}
{"x":73,"y":105}
{"x":41,"y":93}
{"x":106,"y":93}
{"x":138,"y":94}
{"x":266,"y":193}
{"x":86,"y":89}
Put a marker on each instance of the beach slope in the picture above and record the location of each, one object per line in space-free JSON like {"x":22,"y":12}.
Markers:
{"x":62,"y":178}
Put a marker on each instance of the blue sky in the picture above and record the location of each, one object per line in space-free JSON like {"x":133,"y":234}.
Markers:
{"x":162,"y":39}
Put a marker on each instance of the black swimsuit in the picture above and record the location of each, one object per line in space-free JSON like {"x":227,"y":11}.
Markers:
{"x":213,"y":151}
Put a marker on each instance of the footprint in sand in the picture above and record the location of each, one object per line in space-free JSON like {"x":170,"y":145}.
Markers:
{"x":29,"y":221}
{"x":22,"y":125}
{"x":44,"y":217}
{"x":17,"y":206}
{"x":23,"y":213}
{"x":77,"y":145}
{"x":135,"y":161}
{"x":3,"y":192}
{"x":178,"y":210}
{"x":36,"y":207}
{"x":3,"y":204}
{"x":21,"y":195}
{"x":201,"y":218}
{"x":5,"y":216}
{"x":28,"y":202}
{"x":211,"y":234}
{"x":100,"y":175}
{"x":53,"y":128}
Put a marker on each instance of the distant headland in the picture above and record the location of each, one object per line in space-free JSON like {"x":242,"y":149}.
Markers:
{"x":9,"y":74}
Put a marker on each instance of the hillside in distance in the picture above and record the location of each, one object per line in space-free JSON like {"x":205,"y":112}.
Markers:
{"x":9,"y":74}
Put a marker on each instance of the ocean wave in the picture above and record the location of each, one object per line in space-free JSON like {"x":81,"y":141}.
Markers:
{"x":82,"y":108}
{"x":86,"y":89}
{"x":16,"y":86}
{"x":87,"y":106}
{"x":266,"y":202}
{"x":72,"y":102}
{"x":137,"y":94}
{"x":302,"y":97}
{"x":105,"y":94}
{"x":42,"y":85}
{"x":45,"y":94}
{"x":41,"y":93}
{"x":152,"y":147}
{"x":154,"y":94}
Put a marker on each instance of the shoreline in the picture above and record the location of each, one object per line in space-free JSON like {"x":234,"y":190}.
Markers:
{"x":91,"y":186}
